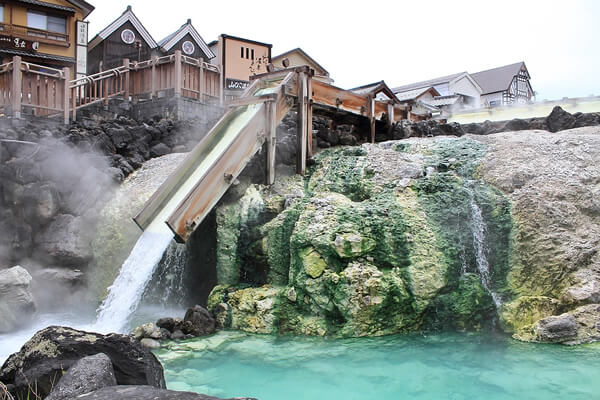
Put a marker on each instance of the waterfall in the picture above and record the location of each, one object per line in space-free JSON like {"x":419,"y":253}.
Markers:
{"x":479,"y":231}
{"x":126,"y":291}
{"x":167,"y":285}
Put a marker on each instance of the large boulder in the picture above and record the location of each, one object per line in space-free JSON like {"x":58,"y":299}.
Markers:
{"x":559,"y":120}
{"x":16,"y":300}
{"x":147,"y":392}
{"x":51,"y":351}
{"x":86,"y":375}
{"x":198,"y":322}
{"x":67,"y":241}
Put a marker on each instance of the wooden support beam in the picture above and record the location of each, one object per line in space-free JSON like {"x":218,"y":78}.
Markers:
{"x":371,"y":115}
{"x":271,"y":133}
{"x":178,"y":73}
{"x":301,"y":139}
{"x":17,"y":87}
{"x":390,"y":112}
{"x":105,"y":93}
{"x":201,"y":86}
{"x":244,"y":101}
{"x":66,"y":91}
{"x":309,"y":115}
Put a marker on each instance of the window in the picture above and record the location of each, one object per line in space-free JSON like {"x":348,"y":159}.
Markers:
{"x":45,"y":22}
{"x":242,"y":51}
{"x":252,"y":56}
{"x":247,"y":53}
{"x":1,"y":12}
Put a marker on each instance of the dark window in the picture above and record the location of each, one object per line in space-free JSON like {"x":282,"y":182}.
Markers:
{"x":242,"y":51}
{"x":252,"y":54}
{"x":43,"y":21}
{"x":247,"y":53}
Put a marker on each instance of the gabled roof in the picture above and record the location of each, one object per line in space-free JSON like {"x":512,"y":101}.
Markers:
{"x":167,"y":43}
{"x":128,"y":15}
{"x":86,"y":7}
{"x":498,"y":79}
{"x":428,"y":83}
{"x":412,"y":94}
{"x":375,"y":88}
{"x":305,"y":55}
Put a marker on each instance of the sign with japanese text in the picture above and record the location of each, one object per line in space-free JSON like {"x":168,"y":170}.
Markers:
{"x":10,"y":42}
{"x":235,"y":84}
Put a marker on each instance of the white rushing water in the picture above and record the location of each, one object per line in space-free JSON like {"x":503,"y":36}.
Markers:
{"x":126,"y":292}
{"x":483,"y":266}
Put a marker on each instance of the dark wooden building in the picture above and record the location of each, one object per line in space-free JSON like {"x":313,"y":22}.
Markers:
{"x":125,"y":37}
{"x":188,"y":40}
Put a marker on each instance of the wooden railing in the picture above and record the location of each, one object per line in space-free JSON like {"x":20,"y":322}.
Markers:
{"x":173,"y":74}
{"x":34,"y":34}
{"x":35,"y":89}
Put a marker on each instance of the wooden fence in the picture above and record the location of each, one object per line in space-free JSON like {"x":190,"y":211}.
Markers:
{"x":44,"y":91}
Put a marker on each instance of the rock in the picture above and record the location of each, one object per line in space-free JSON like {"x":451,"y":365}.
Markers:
{"x":198,"y":322}
{"x":86,"y":375}
{"x":17,"y":305}
{"x":66,"y":240}
{"x":167,"y":323}
{"x":149,"y":331}
{"x":54,"y":349}
{"x":150,"y":343}
{"x":119,"y":136}
{"x":517,"y":125}
{"x":347,"y":139}
{"x":159,"y":149}
{"x":40,"y":203}
{"x":559,"y":120}
{"x":557,"y":329}
{"x":147,"y":392}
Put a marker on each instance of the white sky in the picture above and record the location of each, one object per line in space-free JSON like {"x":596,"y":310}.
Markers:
{"x":401,"y":41}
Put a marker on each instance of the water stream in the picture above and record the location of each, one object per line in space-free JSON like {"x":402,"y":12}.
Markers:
{"x":479,"y":244}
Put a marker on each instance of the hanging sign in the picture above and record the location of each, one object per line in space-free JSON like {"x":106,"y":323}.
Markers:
{"x":236,"y":84}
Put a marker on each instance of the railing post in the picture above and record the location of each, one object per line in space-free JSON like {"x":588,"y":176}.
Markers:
{"x":309,"y":115}
{"x":17,"y":87}
{"x":201,"y":86}
{"x":153,"y":77}
{"x":66,"y":91}
{"x":178,"y":73}
{"x":126,"y":83}
{"x":105,"y":92}
{"x":74,"y":92}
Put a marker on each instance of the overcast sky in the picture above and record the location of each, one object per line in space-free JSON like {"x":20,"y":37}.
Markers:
{"x":402,"y":42}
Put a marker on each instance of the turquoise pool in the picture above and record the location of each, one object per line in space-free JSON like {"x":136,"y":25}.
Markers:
{"x":433,"y":366}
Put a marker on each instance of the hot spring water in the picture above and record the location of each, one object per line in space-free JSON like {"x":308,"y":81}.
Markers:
{"x":417,"y":367}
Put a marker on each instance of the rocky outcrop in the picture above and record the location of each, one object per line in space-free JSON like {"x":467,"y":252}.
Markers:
{"x":148,"y":392}
{"x":17,"y":304}
{"x":382,"y":238}
{"x":67,"y":241}
{"x":53,"y":350}
{"x":86,"y":375}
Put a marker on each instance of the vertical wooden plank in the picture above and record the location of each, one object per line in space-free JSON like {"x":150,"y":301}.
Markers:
{"x":65,"y":90}
{"x":202,"y":86}
{"x":309,"y":114}
{"x":177,"y":73}
{"x":302,"y":126}
{"x":271,"y":129}
{"x":127,"y":79}
{"x":17,"y":87}
{"x":105,"y":90}
{"x":153,"y":78}
{"x":390,"y":112}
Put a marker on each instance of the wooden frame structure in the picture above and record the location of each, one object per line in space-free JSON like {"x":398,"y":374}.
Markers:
{"x":216,"y":162}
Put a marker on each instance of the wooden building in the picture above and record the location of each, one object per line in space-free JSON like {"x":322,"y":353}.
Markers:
{"x":125,"y":37}
{"x":297,"y":57}
{"x":51,"y":33}
{"x":239,"y":59}
{"x":188,"y":40}
{"x":505,"y":85}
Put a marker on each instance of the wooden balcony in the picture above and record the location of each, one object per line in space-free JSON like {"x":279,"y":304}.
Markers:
{"x":35,"y":35}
